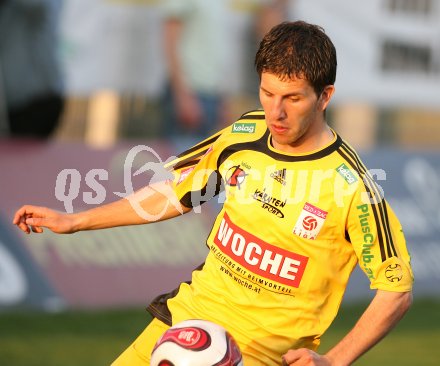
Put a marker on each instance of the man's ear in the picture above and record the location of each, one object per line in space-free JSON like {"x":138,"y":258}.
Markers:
{"x":326,"y":96}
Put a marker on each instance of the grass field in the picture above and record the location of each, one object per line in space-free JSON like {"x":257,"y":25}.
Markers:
{"x":96,"y":338}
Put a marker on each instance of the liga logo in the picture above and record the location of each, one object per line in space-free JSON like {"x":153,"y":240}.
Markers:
{"x":309,"y":222}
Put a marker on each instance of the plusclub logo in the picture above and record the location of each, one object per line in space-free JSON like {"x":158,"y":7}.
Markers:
{"x":367,"y":255}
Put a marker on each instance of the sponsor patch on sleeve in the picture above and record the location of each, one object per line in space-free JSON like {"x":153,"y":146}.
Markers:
{"x":346,"y":173}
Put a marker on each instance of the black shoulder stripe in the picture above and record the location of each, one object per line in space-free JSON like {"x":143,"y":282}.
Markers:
{"x":186,"y":164}
{"x":374,"y":209}
{"x":192,"y":160}
{"x":252,"y":116}
{"x":199,"y":146}
{"x":391,"y":250}
{"x":379,"y":207}
{"x":211,"y":140}
{"x":382,"y":223}
{"x":189,"y":159}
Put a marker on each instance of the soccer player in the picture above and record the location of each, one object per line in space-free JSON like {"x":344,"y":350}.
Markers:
{"x":301,"y":210}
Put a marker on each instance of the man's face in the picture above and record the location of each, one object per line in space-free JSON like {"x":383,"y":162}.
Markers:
{"x":294,"y":113}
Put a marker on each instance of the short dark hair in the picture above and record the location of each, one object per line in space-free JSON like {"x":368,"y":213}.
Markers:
{"x":298,"y":50}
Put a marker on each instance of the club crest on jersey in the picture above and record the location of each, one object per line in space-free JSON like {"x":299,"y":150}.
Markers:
{"x":309,"y":222}
{"x":394,"y":272}
{"x":235,"y":176}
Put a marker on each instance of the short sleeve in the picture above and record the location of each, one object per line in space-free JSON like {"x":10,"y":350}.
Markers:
{"x":378,"y":240}
{"x":196,"y":178}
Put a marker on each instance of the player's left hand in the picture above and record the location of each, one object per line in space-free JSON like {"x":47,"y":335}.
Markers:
{"x":304,"y":357}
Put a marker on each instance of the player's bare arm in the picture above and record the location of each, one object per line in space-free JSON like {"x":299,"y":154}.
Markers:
{"x":383,"y":313}
{"x":157,"y":199}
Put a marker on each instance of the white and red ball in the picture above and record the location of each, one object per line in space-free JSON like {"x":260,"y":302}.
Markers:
{"x":196,"y":343}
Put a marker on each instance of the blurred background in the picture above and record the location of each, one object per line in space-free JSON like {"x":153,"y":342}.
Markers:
{"x":91,"y":91}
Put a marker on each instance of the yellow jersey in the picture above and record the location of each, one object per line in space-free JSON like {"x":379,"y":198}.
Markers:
{"x":290,"y":232}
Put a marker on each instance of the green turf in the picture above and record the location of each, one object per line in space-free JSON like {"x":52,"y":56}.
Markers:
{"x":414,"y":342}
{"x":96,"y":337}
{"x":67,"y":339}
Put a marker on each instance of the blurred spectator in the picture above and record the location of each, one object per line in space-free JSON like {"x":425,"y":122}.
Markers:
{"x":205,"y":42}
{"x":31,"y":75}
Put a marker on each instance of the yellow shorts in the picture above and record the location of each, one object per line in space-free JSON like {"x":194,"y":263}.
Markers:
{"x":138,"y":353}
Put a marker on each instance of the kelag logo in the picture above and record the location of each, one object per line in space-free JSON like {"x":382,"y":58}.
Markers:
{"x":346,"y":173}
{"x":243,"y":127}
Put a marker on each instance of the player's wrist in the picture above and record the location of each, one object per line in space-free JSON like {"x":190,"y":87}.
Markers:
{"x":78,"y":222}
{"x":333,"y":359}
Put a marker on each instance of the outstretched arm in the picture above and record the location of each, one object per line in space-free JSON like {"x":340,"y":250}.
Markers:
{"x":383,"y":313}
{"x":156,"y":202}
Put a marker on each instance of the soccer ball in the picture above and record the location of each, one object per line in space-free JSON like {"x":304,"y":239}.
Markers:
{"x":196,"y":343}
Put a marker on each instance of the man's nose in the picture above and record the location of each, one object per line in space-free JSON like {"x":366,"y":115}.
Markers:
{"x":277,"y":109}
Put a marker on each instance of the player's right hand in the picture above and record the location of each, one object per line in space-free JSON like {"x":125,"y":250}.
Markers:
{"x":33,"y":218}
{"x":304,"y":357}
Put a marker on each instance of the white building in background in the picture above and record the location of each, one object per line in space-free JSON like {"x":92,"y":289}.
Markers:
{"x":388,"y":55}
{"x":388,"y":58}
{"x":388,"y":50}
